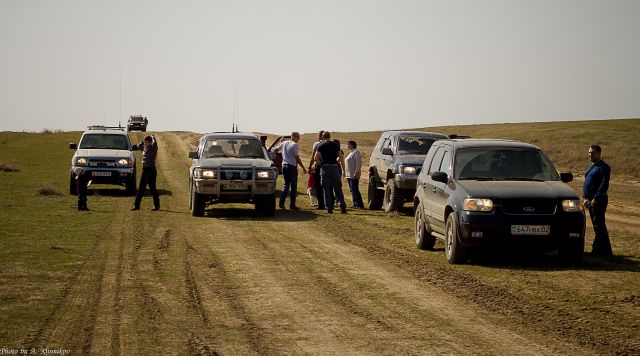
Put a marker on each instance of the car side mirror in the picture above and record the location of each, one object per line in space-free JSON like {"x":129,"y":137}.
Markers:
{"x":441,"y":177}
{"x":387,"y":151}
{"x":134,"y":147}
{"x":566,"y":177}
{"x":272,"y":155}
{"x":73,"y":146}
{"x":193,"y":154}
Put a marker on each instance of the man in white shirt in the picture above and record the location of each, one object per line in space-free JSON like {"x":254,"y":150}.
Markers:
{"x":353,"y":163}
{"x":290,"y":162}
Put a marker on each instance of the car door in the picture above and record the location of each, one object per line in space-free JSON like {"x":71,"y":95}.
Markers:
{"x":430,"y":186}
{"x":441,"y":193}
{"x":421,"y":184}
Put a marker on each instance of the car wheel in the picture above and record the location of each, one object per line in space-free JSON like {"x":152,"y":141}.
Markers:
{"x":392,"y":197}
{"x":374,"y":196}
{"x":266,"y":206}
{"x":571,"y":251}
{"x":424,"y":240}
{"x":453,"y":249}
{"x":73,"y":185}
{"x":131,"y":185}
{"x":197,"y":204}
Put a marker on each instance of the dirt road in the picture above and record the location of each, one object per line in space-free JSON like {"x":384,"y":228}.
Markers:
{"x":301,"y":283}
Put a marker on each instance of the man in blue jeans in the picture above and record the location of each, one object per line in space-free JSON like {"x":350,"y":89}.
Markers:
{"x":596,"y":199}
{"x":328,"y":156}
{"x":290,"y":162}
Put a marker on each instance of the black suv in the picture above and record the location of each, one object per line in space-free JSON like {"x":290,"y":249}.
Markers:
{"x":394,"y":166}
{"x":137,"y":123}
{"x":493,"y":193}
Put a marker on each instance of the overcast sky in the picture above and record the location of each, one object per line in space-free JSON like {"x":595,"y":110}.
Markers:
{"x":307,"y":65}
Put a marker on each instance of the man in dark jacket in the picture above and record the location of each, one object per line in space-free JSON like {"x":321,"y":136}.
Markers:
{"x":149,"y":172}
{"x":594,"y":191}
{"x":328,"y":155}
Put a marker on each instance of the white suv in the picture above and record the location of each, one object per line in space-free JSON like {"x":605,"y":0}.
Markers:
{"x":105,"y":154}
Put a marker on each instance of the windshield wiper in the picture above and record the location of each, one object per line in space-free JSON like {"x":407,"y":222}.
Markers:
{"x":528,"y":179}
{"x":478,"y":178}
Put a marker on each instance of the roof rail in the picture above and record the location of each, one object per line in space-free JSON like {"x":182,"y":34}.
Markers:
{"x":102,"y":127}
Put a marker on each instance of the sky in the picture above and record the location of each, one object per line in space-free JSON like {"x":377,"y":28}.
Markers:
{"x":347,"y":65}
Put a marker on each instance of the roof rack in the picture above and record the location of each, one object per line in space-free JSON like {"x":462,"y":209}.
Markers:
{"x":103,"y":128}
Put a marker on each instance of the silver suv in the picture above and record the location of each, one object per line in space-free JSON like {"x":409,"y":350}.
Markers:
{"x":394,"y":166}
{"x":232,"y":168}
{"x":105,"y":154}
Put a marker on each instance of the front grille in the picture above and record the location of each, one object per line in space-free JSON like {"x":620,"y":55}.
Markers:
{"x":102,"y":163}
{"x":236,"y":174}
{"x":529,"y":207}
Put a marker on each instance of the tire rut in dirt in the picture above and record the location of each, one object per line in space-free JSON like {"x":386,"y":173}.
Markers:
{"x":565,"y":326}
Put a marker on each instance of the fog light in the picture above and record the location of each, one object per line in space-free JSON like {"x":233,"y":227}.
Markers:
{"x":476,"y":234}
{"x":574,"y":235}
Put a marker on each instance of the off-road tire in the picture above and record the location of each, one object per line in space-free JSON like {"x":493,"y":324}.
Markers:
{"x":197,"y":204}
{"x":73,"y":185}
{"x":571,"y":251}
{"x":130,"y":185}
{"x":424,"y":240}
{"x":453,"y":250}
{"x":266,"y":205}
{"x":374,"y":196}
{"x":392,"y":197}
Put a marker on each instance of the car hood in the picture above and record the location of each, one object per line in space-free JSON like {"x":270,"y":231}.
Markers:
{"x":413,"y":160}
{"x":234,"y":162}
{"x":102,"y":153}
{"x":517,"y":189}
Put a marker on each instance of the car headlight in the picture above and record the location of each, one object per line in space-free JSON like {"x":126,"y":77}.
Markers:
{"x":124,"y":162}
{"x":473,"y":204}
{"x":407,"y":170}
{"x":205,"y":173}
{"x":266,"y":174}
{"x":80,"y":161}
{"x":571,"y":205}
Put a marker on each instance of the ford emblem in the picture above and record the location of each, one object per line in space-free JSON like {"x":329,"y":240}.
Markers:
{"x":529,"y":209}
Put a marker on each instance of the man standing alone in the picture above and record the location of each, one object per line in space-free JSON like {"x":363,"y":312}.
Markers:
{"x":149,"y":172}
{"x":327,"y":156}
{"x":290,"y":162}
{"x":594,"y":190}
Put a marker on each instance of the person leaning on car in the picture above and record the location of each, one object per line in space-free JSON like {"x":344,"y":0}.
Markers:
{"x":594,"y":190}
{"x":149,"y":147}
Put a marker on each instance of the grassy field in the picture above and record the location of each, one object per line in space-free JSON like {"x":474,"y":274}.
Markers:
{"x":116,"y":283}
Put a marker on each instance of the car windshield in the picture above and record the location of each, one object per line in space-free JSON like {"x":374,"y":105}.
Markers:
{"x":232,"y":147}
{"x":136,"y":119}
{"x":104,"y":141}
{"x":516,"y":164}
{"x":414,"y":144}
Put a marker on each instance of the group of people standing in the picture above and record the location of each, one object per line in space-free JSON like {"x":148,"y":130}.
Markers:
{"x":327,"y":167}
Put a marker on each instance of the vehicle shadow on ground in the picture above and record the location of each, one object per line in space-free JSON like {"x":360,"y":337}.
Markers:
{"x":123,"y":193}
{"x":551,"y":262}
{"x":239,"y":214}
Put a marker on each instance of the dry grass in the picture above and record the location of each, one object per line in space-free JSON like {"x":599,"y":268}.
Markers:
{"x":47,"y":189}
{"x":8,"y":168}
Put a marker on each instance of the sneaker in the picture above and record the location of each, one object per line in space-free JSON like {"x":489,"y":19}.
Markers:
{"x":329,"y":211}
{"x":155,"y":208}
{"x":135,"y":208}
{"x":343,"y":211}
{"x":294,"y":208}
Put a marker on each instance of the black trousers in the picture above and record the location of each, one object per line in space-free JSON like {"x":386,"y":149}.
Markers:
{"x":601,"y":244}
{"x":148,"y":176}
{"x":319,"y":189}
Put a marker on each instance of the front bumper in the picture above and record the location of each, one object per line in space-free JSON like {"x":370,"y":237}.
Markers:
{"x":103,"y":175}
{"x":479,"y":229}
{"x":234,"y":191}
{"x":406,"y":181}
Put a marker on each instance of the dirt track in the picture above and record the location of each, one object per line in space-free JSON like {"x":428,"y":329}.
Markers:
{"x":303,"y":282}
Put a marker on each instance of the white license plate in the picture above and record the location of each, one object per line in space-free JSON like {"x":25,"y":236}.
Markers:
{"x":101,"y":174}
{"x":530,"y":229}
{"x":234,"y":186}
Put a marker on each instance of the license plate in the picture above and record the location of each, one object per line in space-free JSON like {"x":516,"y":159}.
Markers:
{"x":234,"y":186}
{"x":101,"y":174}
{"x":530,"y":229}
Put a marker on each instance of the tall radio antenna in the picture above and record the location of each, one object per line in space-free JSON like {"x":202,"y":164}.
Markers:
{"x":236,"y":100}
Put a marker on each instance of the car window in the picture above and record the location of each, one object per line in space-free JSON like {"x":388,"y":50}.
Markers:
{"x":445,"y":166}
{"x":437,"y":159}
{"x":104,"y":141}
{"x":231,"y":147}
{"x":386,"y":144}
{"x":504,"y":164}
{"x":414,"y":145}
